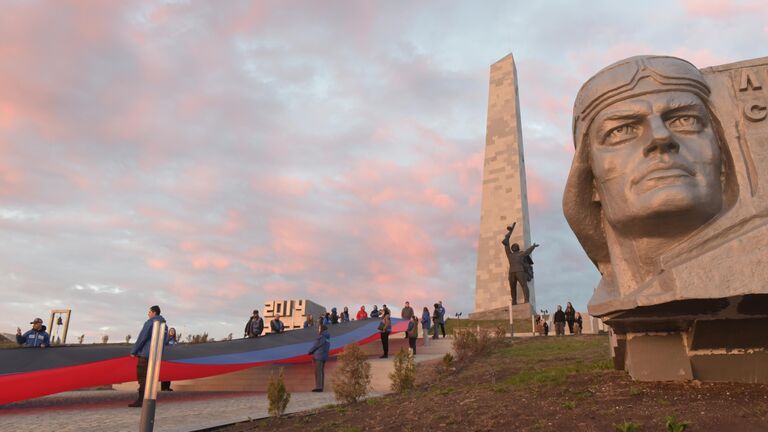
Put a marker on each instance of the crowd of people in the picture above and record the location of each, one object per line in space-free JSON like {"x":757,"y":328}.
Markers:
{"x":561,"y":318}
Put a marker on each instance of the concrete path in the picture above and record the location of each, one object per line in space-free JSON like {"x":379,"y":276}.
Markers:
{"x":178,"y":411}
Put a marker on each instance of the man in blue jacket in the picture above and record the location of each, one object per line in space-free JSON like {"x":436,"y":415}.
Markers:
{"x":141,"y":350}
{"x":319,"y":353}
{"x":442,"y":319}
{"x":35,"y":338}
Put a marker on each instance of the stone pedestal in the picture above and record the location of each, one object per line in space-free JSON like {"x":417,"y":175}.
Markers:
{"x":709,"y":340}
{"x":520,"y":311}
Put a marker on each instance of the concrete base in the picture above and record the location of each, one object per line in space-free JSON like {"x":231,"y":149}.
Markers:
{"x":677,"y":342}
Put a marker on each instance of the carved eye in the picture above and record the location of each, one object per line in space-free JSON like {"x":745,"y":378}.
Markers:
{"x":620,"y":134}
{"x":686,"y":123}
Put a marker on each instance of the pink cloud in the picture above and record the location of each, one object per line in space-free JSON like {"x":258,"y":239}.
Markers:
{"x":722,"y":9}
{"x":157,"y":263}
{"x":283,"y":185}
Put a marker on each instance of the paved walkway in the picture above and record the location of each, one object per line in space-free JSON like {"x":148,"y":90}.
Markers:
{"x":106,"y":410}
{"x":178,"y":411}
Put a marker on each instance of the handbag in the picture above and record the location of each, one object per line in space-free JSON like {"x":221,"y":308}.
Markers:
{"x":381,"y":326}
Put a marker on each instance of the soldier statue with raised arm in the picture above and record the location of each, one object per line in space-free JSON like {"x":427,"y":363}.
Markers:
{"x":520,"y":264}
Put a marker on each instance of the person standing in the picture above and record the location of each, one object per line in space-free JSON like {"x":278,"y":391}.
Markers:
{"x":141,"y":350}
{"x":407,"y":312}
{"x":570,"y":317}
{"x":248,"y":332}
{"x":166,"y":385}
{"x":319,"y":352}
{"x":442,"y":318}
{"x":559,"y":319}
{"x":578,"y":326}
{"x":334,"y":316}
{"x":435,"y":320}
{"x":345,"y":315}
{"x":276,"y":325}
{"x":256,"y":325}
{"x":412,"y":333}
{"x":375,"y":312}
{"x":309,"y":322}
{"x":362,"y":314}
{"x":385,"y":328}
{"x":426,"y":324}
{"x":37,"y":337}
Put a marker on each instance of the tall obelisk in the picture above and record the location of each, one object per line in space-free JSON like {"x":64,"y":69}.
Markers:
{"x":505,"y":198}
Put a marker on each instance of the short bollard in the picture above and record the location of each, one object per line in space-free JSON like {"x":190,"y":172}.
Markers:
{"x":147,"y":422}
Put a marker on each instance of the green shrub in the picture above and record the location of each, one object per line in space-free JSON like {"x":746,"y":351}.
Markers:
{"x":627,"y":427}
{"x":353,"y":376}
{"x":277,"y":394}
{"x":404,"y":376}
{"x":675,"y":426}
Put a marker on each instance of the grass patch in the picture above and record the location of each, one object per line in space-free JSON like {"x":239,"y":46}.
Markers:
{"x":521,"y":326}
{"x":567,"y":346}
{"x":554,"y":375}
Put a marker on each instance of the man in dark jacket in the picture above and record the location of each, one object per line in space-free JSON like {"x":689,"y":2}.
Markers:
{"x":255,"y":325}
{"x":141,"y":350}
{"x":319,"y":352}
{"x":407,"y":311}
{"x":35,"y":338}
{"x":276,"y":325}
{"x":559,"y":319}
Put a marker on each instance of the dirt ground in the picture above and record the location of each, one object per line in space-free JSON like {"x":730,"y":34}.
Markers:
{"x":539,"y":384}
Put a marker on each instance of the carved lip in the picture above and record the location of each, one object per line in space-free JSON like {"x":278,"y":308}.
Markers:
{"x":662,"y":171}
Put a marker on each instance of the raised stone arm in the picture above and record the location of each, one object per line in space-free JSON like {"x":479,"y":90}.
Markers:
{"x":530,"y":249}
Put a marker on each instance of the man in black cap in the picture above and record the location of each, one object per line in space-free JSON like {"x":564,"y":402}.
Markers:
{"x":35,"y":338}
{"x":255,"y":325}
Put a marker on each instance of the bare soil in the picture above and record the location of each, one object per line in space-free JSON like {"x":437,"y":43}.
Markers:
{"x":538,"y":384}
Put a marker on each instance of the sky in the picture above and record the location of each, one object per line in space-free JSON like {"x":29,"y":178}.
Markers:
{"x":208,"y":156}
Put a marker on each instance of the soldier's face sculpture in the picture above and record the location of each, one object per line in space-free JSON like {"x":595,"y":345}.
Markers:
{"x":655,"y":158}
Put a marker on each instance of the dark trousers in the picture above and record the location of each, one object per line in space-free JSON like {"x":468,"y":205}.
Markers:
{"x":570,"y":326}
{"x":385,"y":343}
{"x":319,"y":374}
{"x":141,"y":375}
{"x":559,"y":328}
{"x":165,"y":385}
{"x":522,"y":279}
{"x":442,"y":329}
{"x":412,"y":344}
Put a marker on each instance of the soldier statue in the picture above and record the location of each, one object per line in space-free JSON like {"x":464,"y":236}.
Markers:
{"x":520,"y":266}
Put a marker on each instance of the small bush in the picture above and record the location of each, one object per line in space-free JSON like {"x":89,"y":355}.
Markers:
{"x":198,"y":338}
{"x":277,"y":394}
{"x":675,"y":426}
{"x":500,"y":331}
{"x":448,"y":360}
{"x":627,"y":427}
{"x":404,"y":376}
{"x":468,"y":343}
{"x":353,"y":377}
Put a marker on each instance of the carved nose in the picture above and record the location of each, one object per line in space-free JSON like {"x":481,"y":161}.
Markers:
{"x":661,"y":140}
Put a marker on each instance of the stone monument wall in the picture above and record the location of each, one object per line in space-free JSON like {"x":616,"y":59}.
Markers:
{"x":504,"y":196}
{"x":292,"y":313}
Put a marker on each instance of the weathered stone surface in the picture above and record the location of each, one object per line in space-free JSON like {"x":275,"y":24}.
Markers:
{"x":504,"y":197}
{"x":667,"y":194}
{"x":644,"y":352}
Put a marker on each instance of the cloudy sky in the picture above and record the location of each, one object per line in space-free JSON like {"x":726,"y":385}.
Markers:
{"x":209,"y":156}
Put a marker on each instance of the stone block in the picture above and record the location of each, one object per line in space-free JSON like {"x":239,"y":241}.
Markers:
{"x":657,"y":358}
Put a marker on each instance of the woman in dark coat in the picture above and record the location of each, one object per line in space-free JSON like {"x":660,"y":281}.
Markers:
{"x":570,"y":316}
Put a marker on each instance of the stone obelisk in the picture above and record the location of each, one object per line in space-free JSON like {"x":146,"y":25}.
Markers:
{"x":504,"y":198}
